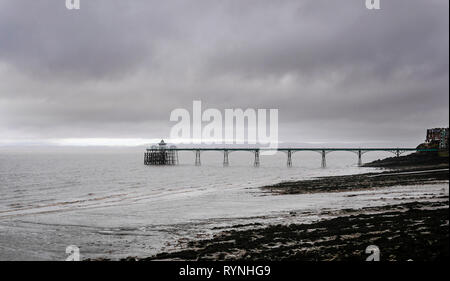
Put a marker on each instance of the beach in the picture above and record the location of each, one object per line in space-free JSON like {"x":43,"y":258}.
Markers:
{"x":416,"y":230}
{"x":413,"y":231}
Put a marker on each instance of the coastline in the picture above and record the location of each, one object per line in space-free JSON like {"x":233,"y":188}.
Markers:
{"x":360,"y":182}
{"x":412,"y":231}
{"x":407,"y":231}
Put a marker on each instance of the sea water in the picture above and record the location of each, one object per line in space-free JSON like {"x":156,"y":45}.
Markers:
{"x":109,"y":204}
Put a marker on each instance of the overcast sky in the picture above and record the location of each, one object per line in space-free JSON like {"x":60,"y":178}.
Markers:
{"x":336,"y":71}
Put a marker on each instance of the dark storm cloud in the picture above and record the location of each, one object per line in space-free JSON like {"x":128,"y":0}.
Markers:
{"x":334,"y":69}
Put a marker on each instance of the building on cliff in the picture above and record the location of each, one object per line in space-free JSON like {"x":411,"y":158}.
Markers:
{"x":437,"y":137}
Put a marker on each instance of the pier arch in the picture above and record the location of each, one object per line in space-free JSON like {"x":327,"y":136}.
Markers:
{"x":305,"y":159}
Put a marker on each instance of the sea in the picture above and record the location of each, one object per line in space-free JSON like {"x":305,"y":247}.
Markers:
{"x":110,"y":205}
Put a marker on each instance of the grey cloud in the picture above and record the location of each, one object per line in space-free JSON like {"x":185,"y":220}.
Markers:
{"x":117,"y":68}
{"x":104,"y":39}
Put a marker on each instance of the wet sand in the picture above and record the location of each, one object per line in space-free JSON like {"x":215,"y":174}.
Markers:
{"x":417,"y":231}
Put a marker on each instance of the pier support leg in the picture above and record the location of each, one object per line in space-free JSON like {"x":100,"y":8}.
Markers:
{"x":197,"y":158}
{"x":225,"y":158}
{"x":397,"y":153}
{"x":324,"y":160}
{"x":256,"y":163}
{"x":359,"y":158}
{"x":289,"y":159}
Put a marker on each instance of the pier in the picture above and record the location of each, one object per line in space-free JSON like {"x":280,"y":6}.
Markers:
{"x":164,"y":155}
{"x":161,"y":155}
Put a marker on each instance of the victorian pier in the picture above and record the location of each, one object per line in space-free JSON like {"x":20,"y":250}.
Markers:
{"x":162,"y":154}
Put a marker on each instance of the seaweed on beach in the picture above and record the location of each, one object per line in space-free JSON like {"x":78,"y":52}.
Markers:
{"x":358,"y":182}
{"x":411,"y":231}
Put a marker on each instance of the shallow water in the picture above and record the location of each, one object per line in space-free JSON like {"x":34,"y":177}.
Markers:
{"x":110,"y":204}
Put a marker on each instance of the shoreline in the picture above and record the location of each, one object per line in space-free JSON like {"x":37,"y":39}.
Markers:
{"x":358,"y":182}
{"x":412,"y":169}
{"x":414,"y":230}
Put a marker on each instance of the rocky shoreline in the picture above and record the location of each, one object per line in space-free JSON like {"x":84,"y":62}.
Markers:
{"x":412,"y":169}
{"x":414,"y":231}
{"x":418,"y":160}
{"x":362,"y":181}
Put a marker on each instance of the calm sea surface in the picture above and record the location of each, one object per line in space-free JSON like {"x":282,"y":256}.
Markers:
{"x":111,"y":205}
